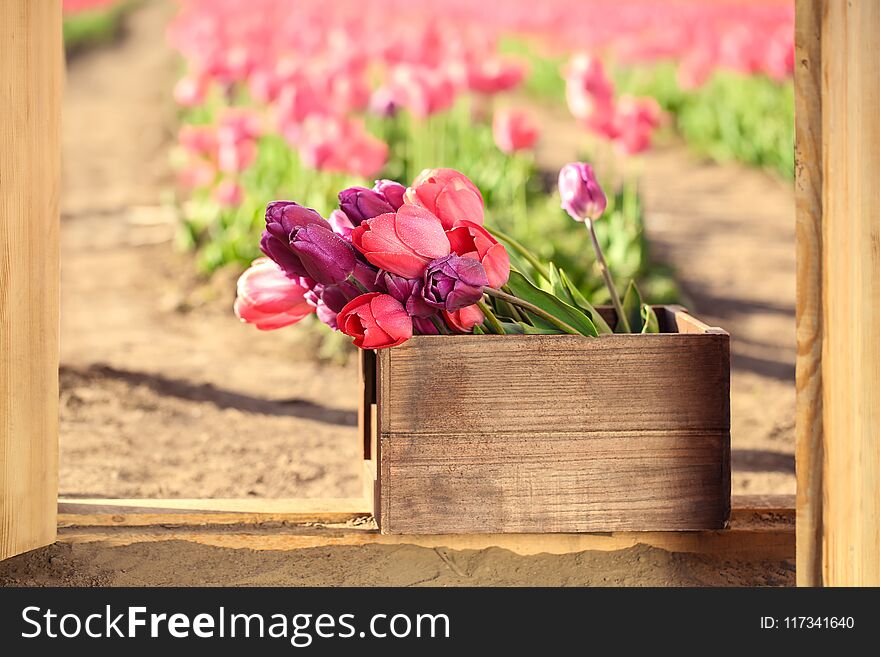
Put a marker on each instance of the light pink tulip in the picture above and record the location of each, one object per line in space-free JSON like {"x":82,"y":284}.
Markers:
{"x":268,"y":299}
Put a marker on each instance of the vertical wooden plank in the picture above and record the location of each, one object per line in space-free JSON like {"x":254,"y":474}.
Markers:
{"x":808,"y":230}
{"x":30,"y":107}
{"x":851,"y":292}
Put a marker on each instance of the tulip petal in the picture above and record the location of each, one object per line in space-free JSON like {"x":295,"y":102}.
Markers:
{"x":422,"y":232}
{"x":457,"y":202}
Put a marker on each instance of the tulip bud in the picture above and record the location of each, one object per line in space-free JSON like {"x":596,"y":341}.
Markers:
{"x":392,"y":192}
{"x":375,"y":321}
{"x":324,"y":255}
{"x":268,"y":299}
{"x":453,"y":282}
{"x":582,"y":196}
{"x":360,"y":204}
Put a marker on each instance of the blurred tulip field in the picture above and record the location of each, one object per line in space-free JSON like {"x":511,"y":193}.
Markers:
{"x":299,"y":100}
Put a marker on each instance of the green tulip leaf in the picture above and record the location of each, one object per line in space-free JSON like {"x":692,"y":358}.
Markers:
{"x":580,"y":301}
{"x":651,"y":323}
{"x":632,"y":308}
{"x":521,"y":328}
{"x":522,"y":288}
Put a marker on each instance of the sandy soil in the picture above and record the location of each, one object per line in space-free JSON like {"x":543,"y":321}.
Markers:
{"x":178,"y":563}
{"x":164,"y":394}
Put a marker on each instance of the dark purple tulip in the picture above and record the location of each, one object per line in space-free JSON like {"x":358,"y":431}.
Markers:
{"x":324,"y":255}
{"x":424,"y":326}
{"x":282,"y":218}
{"x":392,"y":191}
{"x":453,"y":282}
{"x":408,"y":291}
{"x":360,"y":204}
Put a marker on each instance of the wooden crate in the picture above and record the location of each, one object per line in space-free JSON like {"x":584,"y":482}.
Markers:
{"x":556,"y":433}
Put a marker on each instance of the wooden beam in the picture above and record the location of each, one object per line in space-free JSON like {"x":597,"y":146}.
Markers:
{"x":850,"y":55}
{"x":31,"y":67}
{"x":808,"y":230}
{"x":104,"y":512}
{"x":760,"y":528}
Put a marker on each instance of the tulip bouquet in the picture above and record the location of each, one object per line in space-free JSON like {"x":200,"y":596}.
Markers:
{"x":393,"y":261}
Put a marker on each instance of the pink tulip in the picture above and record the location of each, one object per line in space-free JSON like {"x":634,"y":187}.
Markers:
{"x":403,"y":242}
{"x":268,"y":299}
{"x":448,"y":194}
{"x":190,"y":91}
{"x":464,"y":320}
{"x":582,"y":195}
{"x":513,"y":131}
{"x":471,"y":240}
{"x":635,"y":122}
{"x":588,"y":90}
{"x":493,"y":75}
{"x":375,"y":321}
{"x":228,"y":194}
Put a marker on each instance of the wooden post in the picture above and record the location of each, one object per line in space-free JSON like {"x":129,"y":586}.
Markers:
{"x":808,"y":230}
{"x":31,"y":67}
{"x":839,"y":294}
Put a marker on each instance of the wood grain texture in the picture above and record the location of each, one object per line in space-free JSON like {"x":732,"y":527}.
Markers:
{"x":30,"y":109}
{"x":567,"y":383}
{"x":808,"y":231}
{"x":555,"y":433}
{"x":759,"y":529}
{"x":851,"y":292}
{"x":546,"y":482}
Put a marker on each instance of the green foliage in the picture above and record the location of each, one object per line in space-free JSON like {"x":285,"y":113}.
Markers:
{"x":95,"y":26}
{"x":732,"y":117}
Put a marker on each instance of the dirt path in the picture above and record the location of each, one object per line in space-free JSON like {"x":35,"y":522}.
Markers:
{"x":729,"y":233}
{"x":158,"y":401}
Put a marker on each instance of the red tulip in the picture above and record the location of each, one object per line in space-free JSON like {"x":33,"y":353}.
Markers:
{"x":375,"y":321}
{"x":464,"y":320}
{"x":268,"y":299}
{"x":471,"y":240}
{"x":402,"y":242}
{"x":513,"y":131}
{"x":448,"y":194}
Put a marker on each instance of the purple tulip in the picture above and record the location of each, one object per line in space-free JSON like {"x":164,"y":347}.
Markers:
{"x":424,"y":326}
{"x":360,"y":204}
{"x":392,"y":192}
{"x":324,"y":255}
{"x":282,"y":218}
{"x":453,"y":282}
{"x":582,"y":196}
{"x":408,"y":291}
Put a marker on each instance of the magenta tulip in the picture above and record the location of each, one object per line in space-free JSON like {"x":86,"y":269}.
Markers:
{"x":268,"y":299}
{"x":360,"y":204}
{"x":453,"y":282}
{"x":375,"y":321}
{"x":403,"y":242}
{"x":582,"y":196}
{"x":391,"y":191}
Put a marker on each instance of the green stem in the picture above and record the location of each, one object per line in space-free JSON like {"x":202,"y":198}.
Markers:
{"x":357,"y":284}
{"x":440,"y":326}
{"x":606,"y":274}
{"x":491,"y":320}
{"x":523,"y":251}
{"x":532,"y":308}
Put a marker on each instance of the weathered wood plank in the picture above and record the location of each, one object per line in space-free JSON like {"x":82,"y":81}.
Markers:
{"x":100,"y":512}
{"x":437,"y":384}
{"x":851,"y":292}
{"x":808,"y":230}
{"x":30,"y":172}
{"x":764,"y":530}
{"x":540,"y":482}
